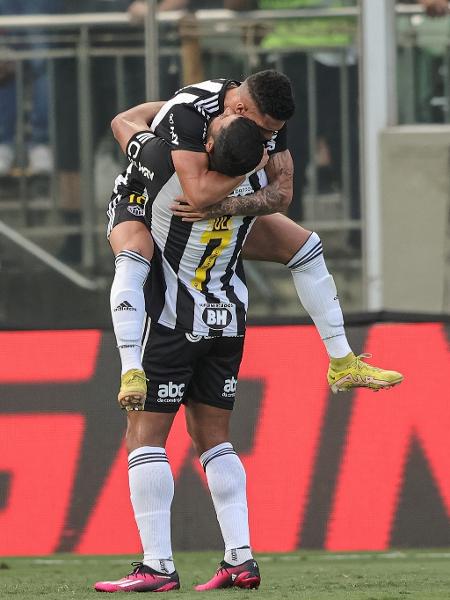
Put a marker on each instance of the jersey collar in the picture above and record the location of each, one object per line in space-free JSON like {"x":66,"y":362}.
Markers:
{"x":229,"y":83}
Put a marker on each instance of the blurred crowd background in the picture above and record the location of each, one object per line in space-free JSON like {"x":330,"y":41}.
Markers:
{"x":66,"y":68}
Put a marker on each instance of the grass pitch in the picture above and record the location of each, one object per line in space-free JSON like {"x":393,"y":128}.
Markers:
{"x":403,"y":575}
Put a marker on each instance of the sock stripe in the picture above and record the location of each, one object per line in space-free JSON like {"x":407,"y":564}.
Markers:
{"x":216,"y":455}
{"x":309,"y":259}
{"x":147,"y":461}
{"x":155,"y":456}
{"x":133,"y":256}
{"x":311,"y":255}
{"x":317,"y":247}
{"x":147,"y":457}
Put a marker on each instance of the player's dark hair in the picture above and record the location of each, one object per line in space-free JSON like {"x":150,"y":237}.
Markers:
{"x":238,"y":148}
{"x":272,"y":93}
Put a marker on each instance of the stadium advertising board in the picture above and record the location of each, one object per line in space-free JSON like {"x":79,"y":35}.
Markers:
{"x":357,"y":471}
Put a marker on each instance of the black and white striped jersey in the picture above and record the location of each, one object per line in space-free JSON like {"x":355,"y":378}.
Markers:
{"x":197,"y":283}
{"x":183,"y":121}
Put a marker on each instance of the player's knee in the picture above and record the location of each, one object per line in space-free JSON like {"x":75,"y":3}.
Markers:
{"x":139,"y":435}
{"x":142,"y":245}
{"x":131,"y":439}
{"x":205,"y":440}
{"x":136,"y":248}
{"x":132,"y":237}
{"x":196,"y":436}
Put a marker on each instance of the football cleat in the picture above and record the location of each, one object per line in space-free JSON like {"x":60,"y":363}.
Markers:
{"x":133,"y":390}
{"x":141,"y":579}
{"x":242,"y":576}
{"x":351,"y":372}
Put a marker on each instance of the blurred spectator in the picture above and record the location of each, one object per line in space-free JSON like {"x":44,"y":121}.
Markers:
{"x":205,"y":54}
{"x":40,"y":158}
{"x":421,"y":67}
{"x":103,"y":100}
{"x":291,"y":42}
{"x":434,"y":8}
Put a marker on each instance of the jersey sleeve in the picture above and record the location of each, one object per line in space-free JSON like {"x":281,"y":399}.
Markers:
{"x":135,"y":147}
{"x":151,"y":158}
{"x":278,"y":143}
{"x":183,"y":128}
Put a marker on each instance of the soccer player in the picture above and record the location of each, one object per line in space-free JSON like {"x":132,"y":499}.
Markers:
{"x":197,"y":302}
{"x":266,"y":98}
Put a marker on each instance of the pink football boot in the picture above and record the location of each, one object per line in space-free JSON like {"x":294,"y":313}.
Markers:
{"x":243,"y":576}
{"x":141,"y":579}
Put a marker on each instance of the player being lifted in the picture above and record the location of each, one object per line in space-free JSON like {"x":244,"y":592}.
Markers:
{"x":265,"y":98}
{"x":197,"y":301}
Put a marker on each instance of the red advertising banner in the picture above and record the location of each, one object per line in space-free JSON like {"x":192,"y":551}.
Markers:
{"x":357,"y":471}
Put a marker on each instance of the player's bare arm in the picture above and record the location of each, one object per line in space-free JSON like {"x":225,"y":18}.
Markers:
{"x":201,"y":187}
{"x":136,"y":119}
{"x":275,"y":197}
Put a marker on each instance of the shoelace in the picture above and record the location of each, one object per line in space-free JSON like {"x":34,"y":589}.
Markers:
{"x":222,"y":568}
{"x":137,"y":566}
{"x":137,"y":376}
{"x":361,"y":364}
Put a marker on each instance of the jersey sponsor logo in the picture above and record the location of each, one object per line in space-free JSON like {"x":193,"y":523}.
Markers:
{"x":270,"y":145}
{"x":229,"y":388}
{"x":170,"y":392}
{"x":244,"y":189}
{"x":173,"y":135}
{"x":193,"y":337}
{"x":133,"y":149}
{"x":137,"y":211}
{"x":135,"y":145}
{"x":217,"y":316}
{"x":145,"y":171}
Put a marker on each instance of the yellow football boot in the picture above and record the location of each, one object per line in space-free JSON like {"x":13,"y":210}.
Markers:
{"x":352,"y":372}
{"x":133,"y":390}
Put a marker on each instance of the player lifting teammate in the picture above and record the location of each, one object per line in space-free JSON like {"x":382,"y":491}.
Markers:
{"x":266,"y":98}
{"x":197,"y":301}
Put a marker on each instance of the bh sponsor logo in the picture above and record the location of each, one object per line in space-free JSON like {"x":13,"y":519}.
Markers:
{"x":229,"y":388}
{"x":170,"y":392}
{"x":217,"y":316}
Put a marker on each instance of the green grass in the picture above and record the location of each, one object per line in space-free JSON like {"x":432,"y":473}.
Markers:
{"x":404,"y":575}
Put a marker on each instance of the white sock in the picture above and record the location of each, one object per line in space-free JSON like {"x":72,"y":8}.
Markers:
{"x":151,"y":492}
{"x":128,"y":306}
{"x":317,"y":292}
{"x":227,"y":482}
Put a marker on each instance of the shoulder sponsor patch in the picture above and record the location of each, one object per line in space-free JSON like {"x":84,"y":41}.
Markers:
{"x":137,"y":211}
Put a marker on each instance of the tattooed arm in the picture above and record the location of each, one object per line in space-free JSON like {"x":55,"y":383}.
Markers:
{"x":263,"y":202}
{"x":275,"y":197}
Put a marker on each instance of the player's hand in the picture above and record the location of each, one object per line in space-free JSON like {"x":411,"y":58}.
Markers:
{"x":263,"y":162}
{"x":183,"y":209}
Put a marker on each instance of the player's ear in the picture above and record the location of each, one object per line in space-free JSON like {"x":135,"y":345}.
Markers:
{"x":240,"y":109}
{"x":209,"y":144}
